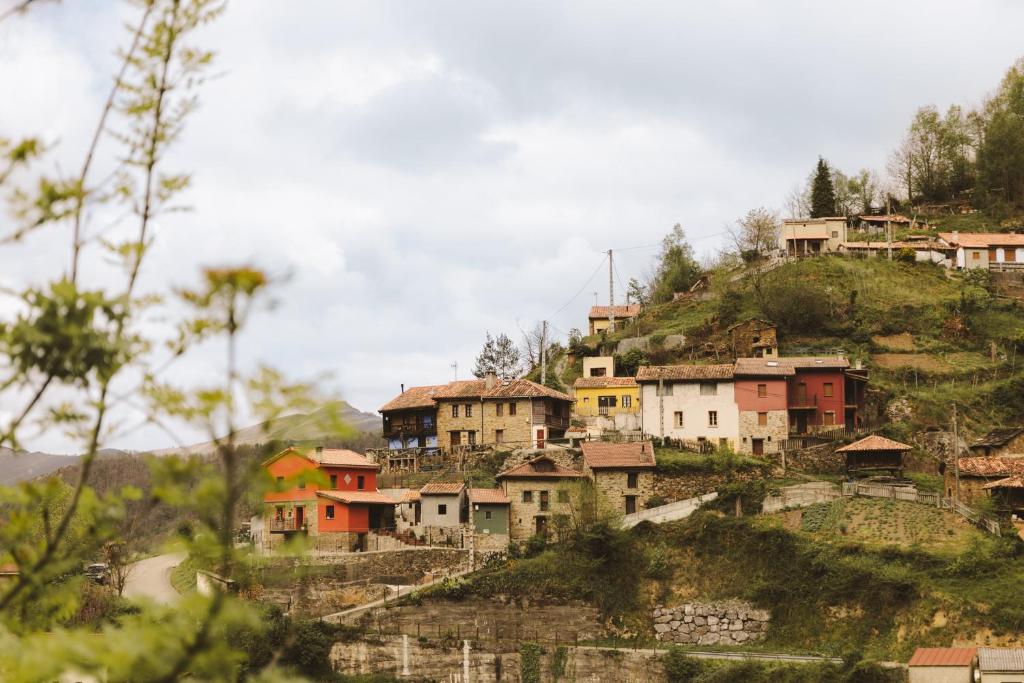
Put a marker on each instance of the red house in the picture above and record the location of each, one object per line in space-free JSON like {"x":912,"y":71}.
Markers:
{"x":823,"y":393}
{"x":326,"y":491}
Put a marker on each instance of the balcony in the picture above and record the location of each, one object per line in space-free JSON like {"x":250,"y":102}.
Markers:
{"x":803,"y":402}
{"x":556,"y":421}
{"x":403,"y":429}
{"x":285,"y":525}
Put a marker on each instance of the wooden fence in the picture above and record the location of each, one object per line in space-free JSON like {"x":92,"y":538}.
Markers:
{"x":912,"y":495}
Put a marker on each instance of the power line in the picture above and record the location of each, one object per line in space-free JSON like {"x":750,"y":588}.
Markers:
{"x":585,"y":285}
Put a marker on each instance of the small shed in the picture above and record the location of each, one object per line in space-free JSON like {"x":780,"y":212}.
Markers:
{"x":1009,"y":495}
{"x":942,"y":665}
{"x":1000,"y":665}
{"x":488,"y":510}
{"x":441,"y":503}
{"x":754,"y":338}
{"x":997,"y":442}
{"x":874,"y":453}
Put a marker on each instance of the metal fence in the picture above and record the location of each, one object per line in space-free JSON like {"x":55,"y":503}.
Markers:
{"x":912,"y":495}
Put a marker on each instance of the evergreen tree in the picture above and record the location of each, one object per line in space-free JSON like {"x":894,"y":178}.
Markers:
{"x":677,"y":270}
{"x":500,"y":356}
{"x":823,"y":194}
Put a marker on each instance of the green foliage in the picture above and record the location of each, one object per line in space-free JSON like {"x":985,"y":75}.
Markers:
{"x":628,"y":363}
{"x":905,"y":255}
{"x":559,"y":658}
{"x":529,"y":662}
{"x":823,"y":196}
{"x":500,"y":356}
{"x":796,"y":305}
{"x":677,"y":268}
{"x":680,"y":667}
{"x":684,"y":462}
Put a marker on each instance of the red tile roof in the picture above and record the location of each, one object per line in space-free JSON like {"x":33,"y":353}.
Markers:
{"x":991,"y":466}
{"x":364,"y":497}
{"x":605,"y":455}
{"x":762,"y":367}
{"x":488,"y":497}
{"x":984,"y":240}
{"x":874,"y":443}
{"x":899,"y":244}
{"x":507,"y":388}
{"x":410,"y":497}
{"x":413,"y":397}
{"x":652,"y":373}
{"x":943,"y":656}
{"x":442,"y":488}
{"x":603,"y":382}
{"x":600,"y":312}
{"x":1014,"y":482}
{"x":529,"y":470}
{"x":340,"y":457}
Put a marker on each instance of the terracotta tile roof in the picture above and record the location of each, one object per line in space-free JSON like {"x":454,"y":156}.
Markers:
{"x":1004,"y":659}
{"x":811,"y":362}
{"x":874,"y":443}
{"x":364,"y":497}
{"x":1014,"y":482}
{"x":815,"y":220}
{"x":599,"y":312}
{"x":983,"y":240}
{"x":503,"y":388}
{"x":605,"y":455}
{"x":762,"y":367}
{"x":442,"y":488}
{"x":536,"y":469}
{"x":980,"y":466}
{"x":942,"y":656}
{"x":340,"y":457}
{"x":488,"y":497}
{"x":652,"y":373}
{"x":998,"y":437}
{"x":413,"y":397}
{"x":9,"y":568}
{"x":899,"y":244}
{"x":410,"y":497}
{"x":602,"y":382}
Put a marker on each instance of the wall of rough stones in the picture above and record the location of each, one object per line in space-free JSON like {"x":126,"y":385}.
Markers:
{"x":711,"y":624}
{"x":821,"y":459}
{"x":672,"y":486}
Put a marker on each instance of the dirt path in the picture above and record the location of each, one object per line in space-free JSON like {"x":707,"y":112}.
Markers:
{"x":151,"y":578}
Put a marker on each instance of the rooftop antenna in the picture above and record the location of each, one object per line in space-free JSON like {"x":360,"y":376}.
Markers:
{"x":595,"y":298}
{"x":455,"y":370}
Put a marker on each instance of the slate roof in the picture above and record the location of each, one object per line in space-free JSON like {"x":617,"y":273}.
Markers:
{"x":599,"y":312}
{"x":983,"y":240}
{"x":981,"y":466}
{"x":1004,"y":659}
{"x":606,"y":455}
{"x":442,"y":488}
{"x":603,"y":382}
{"x":413,"y":397}
{"x":488,"y":497}
{"x":507,"y":388}
{"x":652,"y":373}
{"x":364,"y":497}
{"x":998,"y":437}
{"x":942,"y":656}
{"x":762,"y":367}
{"x":527,"y":470}
{"x":874,"y":443}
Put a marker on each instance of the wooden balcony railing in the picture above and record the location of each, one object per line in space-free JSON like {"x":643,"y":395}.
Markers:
{"x":285,"y":524}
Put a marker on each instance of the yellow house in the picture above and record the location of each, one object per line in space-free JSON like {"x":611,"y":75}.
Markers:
{"x":606,"y":396}
{"x":600,"y":318}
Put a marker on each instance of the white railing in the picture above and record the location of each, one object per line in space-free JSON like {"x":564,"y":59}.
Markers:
{"x":800,"y":495}
{"x":681,"y":509}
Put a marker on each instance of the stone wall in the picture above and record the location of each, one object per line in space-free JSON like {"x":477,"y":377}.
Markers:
{"x":612,"y":488}
{"x":821,"y":459}
{"x":566,"y":457}
{"x":673,"y":486}
{"x":773,"y":433}
{"x":711,"y":624}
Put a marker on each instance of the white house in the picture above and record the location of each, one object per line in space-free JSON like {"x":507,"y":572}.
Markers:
{"x":441,"y":503}
{"x":689,"y":402}
{"x":992,"y":250}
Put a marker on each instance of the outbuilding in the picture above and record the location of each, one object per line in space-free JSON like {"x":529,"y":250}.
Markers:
{"x":488,"y":511}
{"x":942,"y":665}
{"x":874,"y":453}
{"x":1000,"y":665}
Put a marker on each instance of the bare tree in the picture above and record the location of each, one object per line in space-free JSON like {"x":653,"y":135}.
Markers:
{"x":119,"y":564}
{"x":798,"y":201}
{"x":756,"y":233}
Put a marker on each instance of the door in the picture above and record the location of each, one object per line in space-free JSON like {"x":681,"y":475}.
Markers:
{"x":540,"y":438}
{"x":300,"y":513}
{"x":801,"y":422}
{"x":758,"y":445}
{"x":456,"y":438}
{"x":630,"y":504}
{"x":542,"y":526}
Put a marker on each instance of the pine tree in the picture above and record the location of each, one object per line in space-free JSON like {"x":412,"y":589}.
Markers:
{"x":500,"y":356}
{"x":823,"y":195}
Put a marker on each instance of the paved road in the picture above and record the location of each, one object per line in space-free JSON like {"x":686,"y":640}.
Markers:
{"x":151,"y":578}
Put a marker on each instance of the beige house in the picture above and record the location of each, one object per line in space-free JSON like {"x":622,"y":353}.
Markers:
{"x":941,"y":665}
{"x":599,"y":366}
{"x":442,"y":503}
{"x":991,"y":250}
{"x":812,"y":236}
{"x":600,"y":318}
{"x":623,"y":473}
{"x":539,"y":490}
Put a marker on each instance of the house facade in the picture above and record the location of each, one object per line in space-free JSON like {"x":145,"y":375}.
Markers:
{"x":989,"y":250}
{"x":942,"y":665}
{"x":816,"y":394}
{"x":754,"y":338}
{"x":410,"y":419}
{"x":605,"y":396}
{"x":622,"y":473}
{"x":975,"y":473}
{"x":598,"y":366}
{"x":442,"y":504}
{"x":538,"y":490}
{"x":493,"y":412}
{"x":812,"y":236}
{"x":489,"y":511}
{"x":999,"y":442}
{"x":761,"y":386}
{"x":694,"y":403}
{"x":601,"y":318}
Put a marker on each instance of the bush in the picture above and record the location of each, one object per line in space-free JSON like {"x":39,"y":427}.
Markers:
{"x":679,"y":667}
{"x":905,"y":255}
{"x":656,"y":501}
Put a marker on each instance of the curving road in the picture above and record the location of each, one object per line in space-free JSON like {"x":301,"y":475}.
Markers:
{"x":151,"y":578}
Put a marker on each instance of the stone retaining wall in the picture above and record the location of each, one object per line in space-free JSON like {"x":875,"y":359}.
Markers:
{"x":673,"y":486}
{"x":821,"y":459}
{"x":711,"y":624}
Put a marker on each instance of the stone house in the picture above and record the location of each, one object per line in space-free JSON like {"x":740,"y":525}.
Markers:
{"x":999,"y":442}
{"x":600,"y":318}
{"x":761,"y":391}
{"x":942,"y":665}
{"x":622,"y":473}
{"x":442,"y":504}
{"x":695,"y":403}
{"x":754,"y":338}
{"x":812,"y":236}
{"x":976,"y":473}
{"x":1008,"y":494}
{"x":489,"y":511}
{"x":517,"y":413}
{"x":410,"y":419}
{"x":539,"y":490}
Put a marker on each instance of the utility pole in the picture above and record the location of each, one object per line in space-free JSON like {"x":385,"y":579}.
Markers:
{"x":888,"y":227}
{"x":611,"y":295}
{"x":956,"y":458}
{"x":543,"y":351}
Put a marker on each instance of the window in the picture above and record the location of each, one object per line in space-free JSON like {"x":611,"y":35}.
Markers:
{"x":487,"y":514}
{"x":499,"y":435}
{"x":280,"y":482}
{"x":762,"y":419}
{"x":762,"y":390}
{"x":329,"y":512}
{"x":543,"y":501}
{"x":975,"y":255}
{"x":563,"y":496}
{"x":360,"y":482}
{"x":279,"y":512}
{"x":830,"y":417}
{"x":499,"y":409}
{"x":597,"y":372}
{"x":469,"y":409}
{"x":827,"y":389}
{"x":712,"y":418}
{"x":678,"y":418}
{"x":835,"y":234}
{"x":586,"y":399}
{"x":631,"y":480}
{"x":428,"y":421}
{"x":455,"y":410}
{"x":334,"y":481}
{"x":442,"y":508}
{"x":302,"y":486}
{"x":512,"y":408}
{"x":708,"y":388}
{"x":666,"y":390}
{"x":471,"y":436}
{"x":627,"y":401}
{"x":527,"y":496}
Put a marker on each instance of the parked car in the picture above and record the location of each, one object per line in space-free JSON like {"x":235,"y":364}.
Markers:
{"x":98,"y":572}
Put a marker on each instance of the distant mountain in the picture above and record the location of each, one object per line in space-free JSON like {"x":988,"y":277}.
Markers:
{"x":18,"y":466}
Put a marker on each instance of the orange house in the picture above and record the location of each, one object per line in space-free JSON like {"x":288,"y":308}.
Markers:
{"x":326,"y":491}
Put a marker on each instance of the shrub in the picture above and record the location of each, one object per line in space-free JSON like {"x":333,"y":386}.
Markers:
{"x":656,"y":501}
{"x":679,"y":667}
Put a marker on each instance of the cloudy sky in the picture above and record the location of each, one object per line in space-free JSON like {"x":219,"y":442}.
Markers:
{"x":425,"y":171}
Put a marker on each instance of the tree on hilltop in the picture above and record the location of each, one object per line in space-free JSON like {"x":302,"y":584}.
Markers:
{"x":677,"y":268}
{"x":500,"y":356}
{"x":823,"y":194}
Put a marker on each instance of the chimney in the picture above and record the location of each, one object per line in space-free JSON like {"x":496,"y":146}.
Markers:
{"x":490,"y":380}
{"x":403,"y":387}
{"x":319,"y":450}
{"x":956,"y":237}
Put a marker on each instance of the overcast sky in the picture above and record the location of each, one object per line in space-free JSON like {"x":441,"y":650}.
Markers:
{"x":426,"y":171}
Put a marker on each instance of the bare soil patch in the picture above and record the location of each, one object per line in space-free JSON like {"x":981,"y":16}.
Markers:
{"x":895,"y":342}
